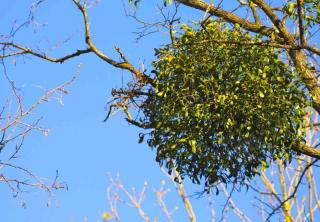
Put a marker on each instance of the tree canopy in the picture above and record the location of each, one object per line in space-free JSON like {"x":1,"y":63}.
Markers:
{"x":220,"y":111}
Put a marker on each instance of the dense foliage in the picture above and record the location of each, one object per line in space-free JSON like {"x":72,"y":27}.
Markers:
{"x":219,"y":111}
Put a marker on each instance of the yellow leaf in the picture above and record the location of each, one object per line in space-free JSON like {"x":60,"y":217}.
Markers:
{"x":170,"y":58}
{"x":261,"y":94}
{"x":280,"y":79}
{"x":193,"y":146}
{"x":292,"y":5}
{"x":159,"y":93}
{"x":106,"y":216}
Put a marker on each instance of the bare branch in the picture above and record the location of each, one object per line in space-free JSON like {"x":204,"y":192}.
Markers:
{"x":160,"y":195}
{"x":236,"y":210}
{"x":24,"y":50}
{"x":254,"y":13}
{"x":122,"y":65}
{"x":301,"y":27}
{"x":177,"y":182}
{"x":294,"y":191}
{"x":229,"y":17}
{"x":38,"y":102}
{"x":276,"y":21}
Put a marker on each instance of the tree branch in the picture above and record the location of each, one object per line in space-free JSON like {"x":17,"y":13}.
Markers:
{"x":307,"y":150}
{"x":24,"y":50}
{"x":294,"y":191}
{"x":230,"y":17}
{"x":122,"y":65}
{"x":288,"y":37}
{"x":301,"y":28}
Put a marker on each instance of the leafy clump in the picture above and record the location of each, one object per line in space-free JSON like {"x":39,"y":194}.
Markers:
{"x":219,"y":110}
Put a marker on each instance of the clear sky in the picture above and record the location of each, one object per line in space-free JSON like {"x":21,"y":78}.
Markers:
{"x":80,"y":145}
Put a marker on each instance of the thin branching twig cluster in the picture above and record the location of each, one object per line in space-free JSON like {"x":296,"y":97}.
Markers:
{"x":18,"y":119}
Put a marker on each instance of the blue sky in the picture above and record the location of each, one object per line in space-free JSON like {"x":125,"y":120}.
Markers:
{"x":80,"y":145}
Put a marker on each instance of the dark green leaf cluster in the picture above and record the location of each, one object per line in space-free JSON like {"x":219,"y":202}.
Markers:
{"x":221,"y":111}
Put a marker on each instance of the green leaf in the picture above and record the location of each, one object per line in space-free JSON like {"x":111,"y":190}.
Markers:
{"x":141,"y":137}
{"x":211,"y":111}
